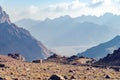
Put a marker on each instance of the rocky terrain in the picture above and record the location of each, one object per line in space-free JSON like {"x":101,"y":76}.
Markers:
{"x":12,"y":69}
{"x":111,"y":59}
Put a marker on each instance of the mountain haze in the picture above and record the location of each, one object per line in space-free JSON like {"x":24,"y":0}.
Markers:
{"x":67,"y":31}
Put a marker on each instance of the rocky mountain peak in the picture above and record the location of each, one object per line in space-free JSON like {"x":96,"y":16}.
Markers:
{"x":18,"y":40}
{"x":4,"y":17}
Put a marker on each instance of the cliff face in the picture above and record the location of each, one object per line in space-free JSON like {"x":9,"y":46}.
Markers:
{"x":18,"y":40}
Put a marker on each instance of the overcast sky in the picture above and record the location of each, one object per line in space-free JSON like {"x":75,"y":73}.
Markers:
{"x":41,"y":9}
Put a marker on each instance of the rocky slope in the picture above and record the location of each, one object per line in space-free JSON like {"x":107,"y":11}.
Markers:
{"x":11,"y":69}
{"x":103,"y":49}
{"x":18,"y":40}
{"x":111,"y":59}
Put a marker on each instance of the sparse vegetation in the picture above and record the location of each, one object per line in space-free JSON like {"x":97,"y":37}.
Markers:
{"x":20,"y":70}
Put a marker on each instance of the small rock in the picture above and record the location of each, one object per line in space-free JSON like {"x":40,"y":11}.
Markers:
{"x":2,"y":65}
{"x":37,"y":61}
{"x":107,"y":76}
{"x":56,"y":77}
{"x":15,"y":79}
{"x":71,"y":71}
{"x":2,"y":78}
{"x":73,"y":77}
{"x":65,"y":77}
{"x":88,"y":69}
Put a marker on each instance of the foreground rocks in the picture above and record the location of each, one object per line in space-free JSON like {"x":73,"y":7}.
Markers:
{"x":21,"y":70}
{"x":73,"y":60}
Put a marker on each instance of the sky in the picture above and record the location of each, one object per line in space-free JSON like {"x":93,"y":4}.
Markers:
{"x":42,"y":9}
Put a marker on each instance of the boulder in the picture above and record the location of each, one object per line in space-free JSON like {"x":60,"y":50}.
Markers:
{"x":56,"y":77}
{"x":16,"y":56}
{"x":2,"y":65}
{"x":74,"y":57}
{"x":2,"y":78}
{"x":54,"y":56}
{"x":37,"y":61}
{"x":73,"y":78}
{"x":107,"y":76}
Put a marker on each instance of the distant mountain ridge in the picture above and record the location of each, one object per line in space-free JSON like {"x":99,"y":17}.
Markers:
{"x":67,"y":31}
{"x":107,"y":19}
{"x":103,"y":49}
{"x":18,"y":40}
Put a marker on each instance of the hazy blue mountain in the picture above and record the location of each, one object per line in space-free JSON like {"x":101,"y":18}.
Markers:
{"x":104,"y":19}
{"x":27,"y":23}
{"x":81,"y":34}
{"x":103,"y":49}
{"x":67,"y":31}
{"x":18,"y":40}
{"x":108,"y":19}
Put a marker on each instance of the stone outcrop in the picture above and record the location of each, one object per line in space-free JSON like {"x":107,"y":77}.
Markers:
{"x":16,"y":56}
{"x":37,"y":61}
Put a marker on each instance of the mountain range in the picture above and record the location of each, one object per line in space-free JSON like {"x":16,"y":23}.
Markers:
{"x":79,"y":31}
{"x":18,"y":40}
{"x":67,"y":31}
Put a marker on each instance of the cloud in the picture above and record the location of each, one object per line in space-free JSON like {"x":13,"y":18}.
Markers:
{"x":78,"y":7}
{"x":33,"y":9}
{"x":74,"y":8}
{"x":58,"y":7}
{"x":76,"y":4}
